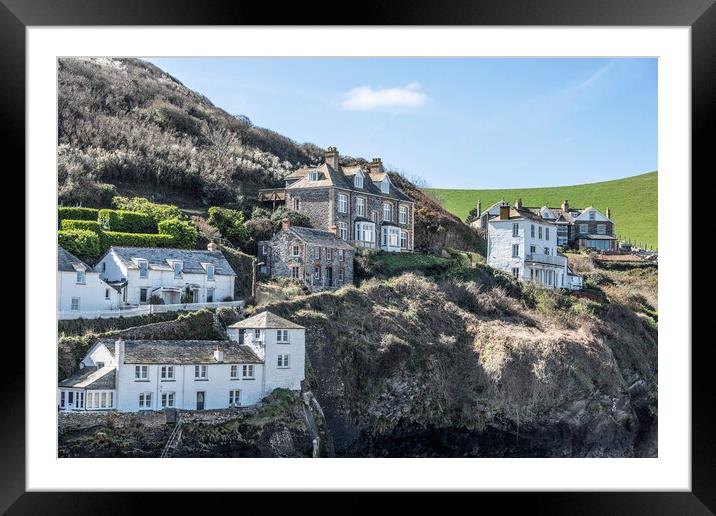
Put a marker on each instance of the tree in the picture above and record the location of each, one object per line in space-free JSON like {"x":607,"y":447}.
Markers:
{"x":471,"y":216}
{"x":296,"y":218}
{"x":230,"y":223}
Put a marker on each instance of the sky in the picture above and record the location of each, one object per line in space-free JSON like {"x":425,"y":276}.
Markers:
{"x":454,"y":122}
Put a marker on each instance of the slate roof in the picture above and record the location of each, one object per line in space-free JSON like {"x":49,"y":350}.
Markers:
{"x":320,"y":237}
{"x":92,"y":378}
{"x":158,"y":258}
{"x":266,"y":320}
{"x":597,"y":237}
{"x":68,"y":262}
{"x":186,"y":352}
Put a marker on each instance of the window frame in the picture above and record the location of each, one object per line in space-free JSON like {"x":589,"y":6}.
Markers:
{"x":515,"y":229}
{"x":248,"y":372}
{"x":72,"y":304}
{"x":342,"y":203}
{"x":203,"y":372}
{"x":283,"y":361}
{"x":403,"y":214}
{"x":210,"y":272}
{"x":387,"y":212}
{"x":141,"y":373}
{"x":295,"y":251}
{"x":280,"y":334}
{"x":168,"y":399}
{"x":360,"y":206}
{"x":343,"y":230}
{"x":166,"y":373}
{"x":80,"y":277}
{"x":180,"y":273}
{"x":515,"y":250}
{"x":143,"y":266}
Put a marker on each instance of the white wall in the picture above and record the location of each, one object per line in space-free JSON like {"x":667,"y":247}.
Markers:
{"x":92,"y":293}
{"x":291,"y":377}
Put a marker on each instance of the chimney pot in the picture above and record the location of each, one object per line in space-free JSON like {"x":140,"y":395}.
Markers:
{"x":376,"y":166}
{"x":518,"y":203}
{"x":504,"y":212}
{"x":212,"y":246}
{"x":565,"y":205}
{"x":218,"y":354}
{"x":609,"y":213}
{"x":285,"y":224}
{"x":332,"y":157}
{"x":334,"y":230}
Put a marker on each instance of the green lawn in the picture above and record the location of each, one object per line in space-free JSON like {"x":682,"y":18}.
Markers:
{"x":633,"y":201}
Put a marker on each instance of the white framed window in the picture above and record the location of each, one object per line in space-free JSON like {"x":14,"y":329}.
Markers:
{"x":167,"y":399}
{"x":360,"y":207}
{"x":313,"y":175}
{"x":532,"y":230}
{"x":104,"y":266}
{"x":374,"y":216}
{"x":143,"y":268}
{"x":105,"y":399}
{"x":283,"y":361}
{"x":75,"y":305}
{"x":583,"y":229}
{"x":295,"y":251}
{"x":592,"y":215}
{"x":533,"y":249}
{"x":341,"y":275}
{"x":515,"y":250}
{"x":209,"y":295}
{"x":539,"y":232}
{"x":341,"y":255}
{"x":358,"y":180}
{"x":62,"y":399}
{"x":385,"y":186}
{"x":166,"y":372}
{"x":387,"y":211}
{"x":403,"y":215}
{"x":515,"y":272}
{"x":210,"y":272}
{"x":329,"y":254}
{"x":343,"y":231}
{"x":200,"y":372}
{"x":317,"y":273}
{"x":515,"y":230}
{"x":316,"y":253}
{"x":106,"y":293}
{"x":546,"y":233}
{"x":342,"y":203}
{"x":141,"y":372}
{"x":403,"y":239}
{"x":145,"y":400}
{"x":546,"y":250}
{"x":601,"y":229}
{"x":282,"y":336}
{"x":247,"y":371}
{"x":296,"y":204}
{"x":177,"y":266}
{"x":80,"y":277}
{"x":257,"y":334}
{"x":234,"y":398}
{"x":234,"y":372}
{"x":142,"y":295}
{"x":364,"y":232}
{"x":295,"y":272}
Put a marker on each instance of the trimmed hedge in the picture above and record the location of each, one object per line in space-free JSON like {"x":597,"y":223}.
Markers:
{"x":184,"y":234}
{"x":91,"y":225}
{"x":110,"y":238}
{"x":126,"y":221}
{"x":81,"y":242}
{"x":66,"y":212}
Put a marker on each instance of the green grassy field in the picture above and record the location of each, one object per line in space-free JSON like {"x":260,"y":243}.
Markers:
{"x":633,"y":201}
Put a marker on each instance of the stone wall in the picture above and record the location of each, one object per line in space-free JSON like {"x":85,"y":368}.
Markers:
{"x":314,"y":202}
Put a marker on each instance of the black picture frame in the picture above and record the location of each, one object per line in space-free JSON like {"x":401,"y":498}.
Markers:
{"x":700,"y":15}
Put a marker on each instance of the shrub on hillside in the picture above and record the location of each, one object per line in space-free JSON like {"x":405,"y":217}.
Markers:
{"x":110,"y":238}
{"x":260,"y":229}
{"x":230,"y":223}
{"x":91,"y":225}
{"x":260,"y":213}
{"x":184,"y":233}
{"x":296,"y":218}
{"x":126,"y":221}
{"x":66,"y":212}
{"x":81,"y":242}
{"x":170,"y":117}
{"x":158,"y":212}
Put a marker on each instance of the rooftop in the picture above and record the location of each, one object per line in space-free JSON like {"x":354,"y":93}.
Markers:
{"x":320,"y":237}
{"x":92,"y":378}
{"x":68,"y":262}
{"x":159,"y":258}
{"x":186,"y":352}
{"x":266,"y":320}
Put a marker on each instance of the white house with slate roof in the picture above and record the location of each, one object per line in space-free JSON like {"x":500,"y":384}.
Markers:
{"x":169,"y":274}
{"x":79,"y":288}
{"x":264,"y":352}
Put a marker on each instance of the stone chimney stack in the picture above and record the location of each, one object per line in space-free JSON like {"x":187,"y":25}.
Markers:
{"x":479,"y":208}
{"x":212,"y":246}
{"x":518,"y":203}
{"x":565,"y":205}
{"x":332,"y":157}
{"x":218,"y":354}
{"x":376,"y":166}
{"x":119,"y":352}
{"x":609,"y":213}
{"x":334,"y":230}
{"x":505,"y":212}
{"x":285,"y":224}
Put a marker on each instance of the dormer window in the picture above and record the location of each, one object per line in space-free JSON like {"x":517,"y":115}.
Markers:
{"x":177,"y":266}
{"x":313,"y":175}
{"x":592,"y":215}
{"x":209,"y":272}
{"x":80,"y":277}
{"x":385,"y":186}
{"x":358,"y":180}
{"x":143,"y":268}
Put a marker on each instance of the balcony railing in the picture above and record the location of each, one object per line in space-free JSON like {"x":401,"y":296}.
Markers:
{"x":559,"y":261}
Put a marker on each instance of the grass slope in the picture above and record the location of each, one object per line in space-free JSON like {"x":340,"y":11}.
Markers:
{"x":633,"y":201}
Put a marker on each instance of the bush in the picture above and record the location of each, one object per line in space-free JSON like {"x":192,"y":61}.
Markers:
{"x":65,"y":212}
{"x":155,"y":300}
{"x":126,"y":221}
{"x":260,"y":228}
{"x":90,"y":225}
{"x":158,"y":212}
{"x":172,"y":118}
{"x":296,"y":218}
{"x":260,"y":213}
{"x":230,"y":224}
{"x":81,"y":242}
{"x":184,"y":233}
{"x":110,"y":238}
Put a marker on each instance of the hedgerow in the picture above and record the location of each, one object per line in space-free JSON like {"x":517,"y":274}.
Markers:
{"x":110,"y":238}
{"x":126,"y":221}
{"x":91,"y":225}
{"x":82,"y":242}
{"x":184,"y":233}
{"x":158,"y":212}
{"x":74,"y":213}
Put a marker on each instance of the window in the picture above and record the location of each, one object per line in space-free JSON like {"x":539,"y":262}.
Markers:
{"x":209,"y":295}
{"x":342,"y":203}
{"x":539,"y":232}
{"x":374,"y":216}
{"x":546,"y":250}
{"x":104,"y":401}
{"x":343,"y":231}
{"x":142,"y":295}
{"x":210,"y":271}
{"x":403,"y":214}
{"x":316,"y":253}
{"x":515,"y":230}
{"x":341,"y":255}
{"x":317,"y":273}
{"x":403,"y":239}
{"x":295,"y":250}
{"x":167,"y":399}
{"x":592,"y":215}
{"x":533,"y":249}
{"x":75,"y":303}
{"x":515,"y":272}
{"x":296,"y":204}
{"x":234,"y":372}
{"x":583,"y":229}
{"x":104,"y":266}
{"x":80,"y":277}
{"x":385,"y":186}
{"x":145,"y":400}
{"x":247,"y":372}
{"x":313,"y":176}
{"x":106,"y":293}
{"x":387,"y":211}
{"x":257,"y":334}
{"x":360,"y":207}
{"x":141,"y":372}
{"x":601,"y":229}
{"x":177,"y":266}
{"x":546,"y":233}
{"x":282,"y":361}
{"x":358,"y":180}
{"x":234,"y":398}
{"x":282,"y":336}
{"x":62,"y":398}
{"x":515,"y":250}
{"x":200,"y":372}
{"x":294,"y":272}
{"x":341,"y":275}
{"x":167,"y":373}
{"x":100,"y":365}
{"x":329,"y":254}
{"x":364,"y":232}
{"x":143,"y":269}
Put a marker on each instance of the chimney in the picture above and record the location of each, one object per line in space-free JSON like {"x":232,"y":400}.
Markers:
{"x":212,"y":246}
{"x":285,"y":224}
{"x":334,"y":230}
{"x":479,"y":207}
{"x":119,"y":352}
{"x":505,"y":212}
{"x":565,"y":205}
{"x":332,"y":157}
{"x":218,"y":354}
{"x":609,"y":213}
{"x":518,"y":203}
{"x":376,"y":166}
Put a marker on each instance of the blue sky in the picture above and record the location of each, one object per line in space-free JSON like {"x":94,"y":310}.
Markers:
{"x":456,"y":123}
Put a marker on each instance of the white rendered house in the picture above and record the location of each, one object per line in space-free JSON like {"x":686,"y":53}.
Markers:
{"x":168,"y":275}
{"x":135,"y":375}
{"x":525,"y":246}
{"x":79,"y":288}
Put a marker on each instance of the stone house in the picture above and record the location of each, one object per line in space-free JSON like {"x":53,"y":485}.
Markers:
{"x":264,"y":352}
{"x":79,"y":288}
{"x":367,"y":210}
{"x":318,"y":259}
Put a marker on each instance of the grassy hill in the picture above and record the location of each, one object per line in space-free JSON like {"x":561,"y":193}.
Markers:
{"x":633,"y":201}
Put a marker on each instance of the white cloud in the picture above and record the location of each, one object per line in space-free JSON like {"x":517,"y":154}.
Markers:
{"x":365,"y":98}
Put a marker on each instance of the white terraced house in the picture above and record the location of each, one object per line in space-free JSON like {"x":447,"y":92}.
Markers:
{"x":263,"y":353}
{"x":525,"y":246}
{"x":168,"y":276}
{"x":79,"y":288}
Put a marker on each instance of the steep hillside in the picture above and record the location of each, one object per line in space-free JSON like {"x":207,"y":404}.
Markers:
{"x":633,"y":200}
